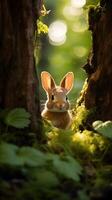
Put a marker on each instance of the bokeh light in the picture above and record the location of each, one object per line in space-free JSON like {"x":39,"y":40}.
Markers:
{"x":70,"y":11}
{"x":78,"y":3}
{"x":68,"y":43}
{"x":79,"y":26}
{"x":57,"y":32}
{"x":80,"y":51}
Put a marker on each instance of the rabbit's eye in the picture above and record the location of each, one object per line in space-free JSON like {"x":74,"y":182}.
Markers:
{"x":52,"y":97}
{"x":66,"y":98}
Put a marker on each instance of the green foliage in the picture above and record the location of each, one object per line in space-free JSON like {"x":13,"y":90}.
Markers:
{"x":88,"y":143}
{"x":105,"y":128}
{"x":45,"y":178}
{"x":56,"y":172}
{"x":75,"y":142}
{"x":71,"y":55}
{"x":40,"y":173}
{"x":12,"y":155}
{"x":41,"y":27}
{"x":8,"y":155}
{"x":18,"y":118}
{"x":66,"y":166}
{"x":82,"y":195}
{"x":60,"y":140}
{"x":30,"y":157}
{"x":52,"y":171}
{"x":88,"y":146}
{"x":80,"y":117}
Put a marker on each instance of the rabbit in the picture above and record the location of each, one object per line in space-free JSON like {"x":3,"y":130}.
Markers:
{"x":57,"y":105}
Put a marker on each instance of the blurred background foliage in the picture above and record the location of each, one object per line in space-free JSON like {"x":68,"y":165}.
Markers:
{"x":68,"y":42}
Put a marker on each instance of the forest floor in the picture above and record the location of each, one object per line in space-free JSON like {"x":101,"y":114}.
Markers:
{"x":72,"y":164}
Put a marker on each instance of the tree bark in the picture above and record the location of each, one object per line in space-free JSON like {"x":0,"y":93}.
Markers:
{"x":98,"y":93}
{"x":19,"y":86}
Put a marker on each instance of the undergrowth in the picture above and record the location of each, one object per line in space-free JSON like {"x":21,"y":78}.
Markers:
{"x":70,"y":164}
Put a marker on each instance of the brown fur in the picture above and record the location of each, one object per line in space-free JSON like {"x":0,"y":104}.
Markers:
{"x":57,"y":104}
{"x":58,"y":119}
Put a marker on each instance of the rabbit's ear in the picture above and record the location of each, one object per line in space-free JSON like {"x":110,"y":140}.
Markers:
{"x":68,"y":81}
{"x":47,"y":81}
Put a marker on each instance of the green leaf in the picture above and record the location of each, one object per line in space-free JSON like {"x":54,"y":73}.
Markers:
{"x":31,"y":157}
{"x":18,"y":118}
{"x":105,"y":128}
{"x":82,"y":195}
{"x":12,"y":155}
{"x":68,"y":167}
{"x":97,"y":124}
{"x":45,"y":178}
{"x":8,"y":154}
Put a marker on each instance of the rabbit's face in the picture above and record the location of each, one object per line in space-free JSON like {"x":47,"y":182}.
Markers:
{"x":57,"y":100}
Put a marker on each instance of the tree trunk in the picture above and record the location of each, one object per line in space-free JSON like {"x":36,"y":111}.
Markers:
{"x":19,"y":86}
{"x":98,"y":93}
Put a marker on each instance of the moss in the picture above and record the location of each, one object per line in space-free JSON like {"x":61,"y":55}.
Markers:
{"x":80,"y":116}
{"x":60,"y":140}
{"x":81,"y":144}
{"x":82,"y":94}
{"x":88,"y":143}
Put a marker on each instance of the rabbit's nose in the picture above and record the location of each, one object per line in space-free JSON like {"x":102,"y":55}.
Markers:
{"x":60,"y":105}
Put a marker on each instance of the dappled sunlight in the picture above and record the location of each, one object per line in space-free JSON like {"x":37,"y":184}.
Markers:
{"x":57,"y":32}
{"x":88,"y":142}
{"x":79,"y":143}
